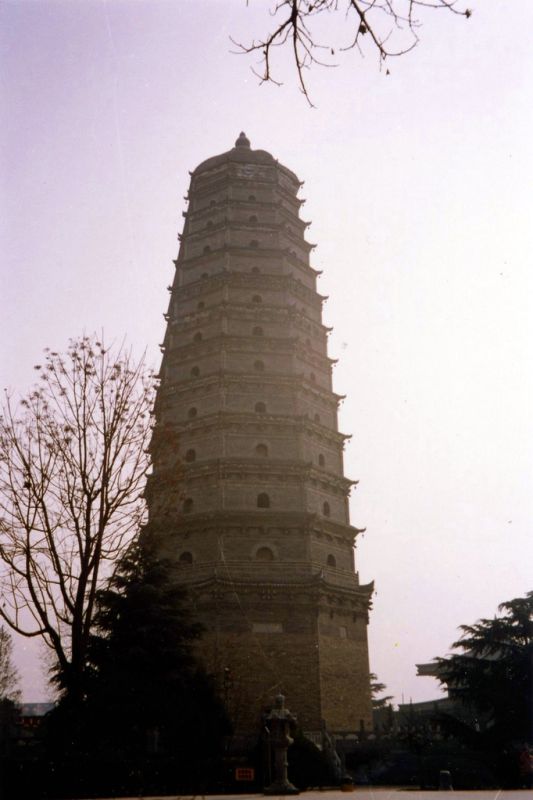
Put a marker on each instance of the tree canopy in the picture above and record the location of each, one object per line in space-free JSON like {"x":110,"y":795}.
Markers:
{"x":149,"y":717}
{"x":494,"y":672}
{"x":72,"y":467}
{"x":377,"y":688}
{"x":8,"y":673}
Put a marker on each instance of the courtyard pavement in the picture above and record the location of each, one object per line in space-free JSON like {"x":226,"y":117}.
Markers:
{"x":380,"y":793}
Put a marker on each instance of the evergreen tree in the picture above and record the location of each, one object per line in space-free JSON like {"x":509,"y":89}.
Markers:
{"x":149,"y":719}
{"x":494,"y":672}
{"x":493,"y":677}
{"x":376,"y":688}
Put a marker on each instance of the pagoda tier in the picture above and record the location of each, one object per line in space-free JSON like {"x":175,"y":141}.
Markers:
{"x":248,"y":493}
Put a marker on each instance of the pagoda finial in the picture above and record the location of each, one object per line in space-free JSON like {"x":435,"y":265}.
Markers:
{"x":242,"y":140}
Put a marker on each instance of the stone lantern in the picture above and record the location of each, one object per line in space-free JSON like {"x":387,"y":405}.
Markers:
{"x":279,"y":723}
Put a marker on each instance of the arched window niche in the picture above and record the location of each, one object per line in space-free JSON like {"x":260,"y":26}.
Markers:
{"x":188,"y":505}
{"x":260,"y":408}
{"x":331,"y":561}
{"x":264,"y":553}
{"x":185,"y":558}
{"x":261,"y":450}
{"x":326,"y":510}
{"x":263,"y":500}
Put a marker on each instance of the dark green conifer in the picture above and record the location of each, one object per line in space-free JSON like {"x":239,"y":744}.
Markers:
{"x":149,"y":719}
{"x":494,"y":672}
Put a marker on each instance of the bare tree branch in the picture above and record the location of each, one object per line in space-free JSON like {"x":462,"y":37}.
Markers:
{"x":389,"y":25}
{"x":8,"y":673}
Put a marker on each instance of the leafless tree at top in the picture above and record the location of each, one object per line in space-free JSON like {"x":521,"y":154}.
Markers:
{"x":389,"y":26}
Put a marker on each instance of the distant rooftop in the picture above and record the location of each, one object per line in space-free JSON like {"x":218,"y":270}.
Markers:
{"x":430,"y":670}
{"x":34,"y":709}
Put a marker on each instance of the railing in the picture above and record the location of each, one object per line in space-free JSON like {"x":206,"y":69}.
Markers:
{"x":260,"y":571}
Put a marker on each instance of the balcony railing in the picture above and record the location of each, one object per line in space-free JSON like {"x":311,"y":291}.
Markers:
{"x":261,"y":571}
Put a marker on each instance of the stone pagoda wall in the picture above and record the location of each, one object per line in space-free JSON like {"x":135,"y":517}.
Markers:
{"x":248,"y":493}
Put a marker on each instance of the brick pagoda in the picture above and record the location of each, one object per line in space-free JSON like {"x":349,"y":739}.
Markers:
{"x":248,"y":493}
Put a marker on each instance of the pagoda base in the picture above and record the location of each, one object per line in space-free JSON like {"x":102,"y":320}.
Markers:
{"x":277,"y":787}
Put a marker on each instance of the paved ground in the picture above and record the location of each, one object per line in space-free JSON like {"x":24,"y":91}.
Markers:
{"x":367,"y":794}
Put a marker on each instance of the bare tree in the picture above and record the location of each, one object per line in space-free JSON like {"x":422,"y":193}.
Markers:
{"x":8,"y":673}
{"x":73,"y":460}
{"x":389,"y":26}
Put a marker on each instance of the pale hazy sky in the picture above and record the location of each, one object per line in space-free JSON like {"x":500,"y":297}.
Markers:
{"x":419,"y":188}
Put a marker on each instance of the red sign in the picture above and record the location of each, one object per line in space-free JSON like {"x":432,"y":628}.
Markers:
{"x":244,"y":774}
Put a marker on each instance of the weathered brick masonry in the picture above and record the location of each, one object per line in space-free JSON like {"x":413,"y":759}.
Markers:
{"x":248,"y":492}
